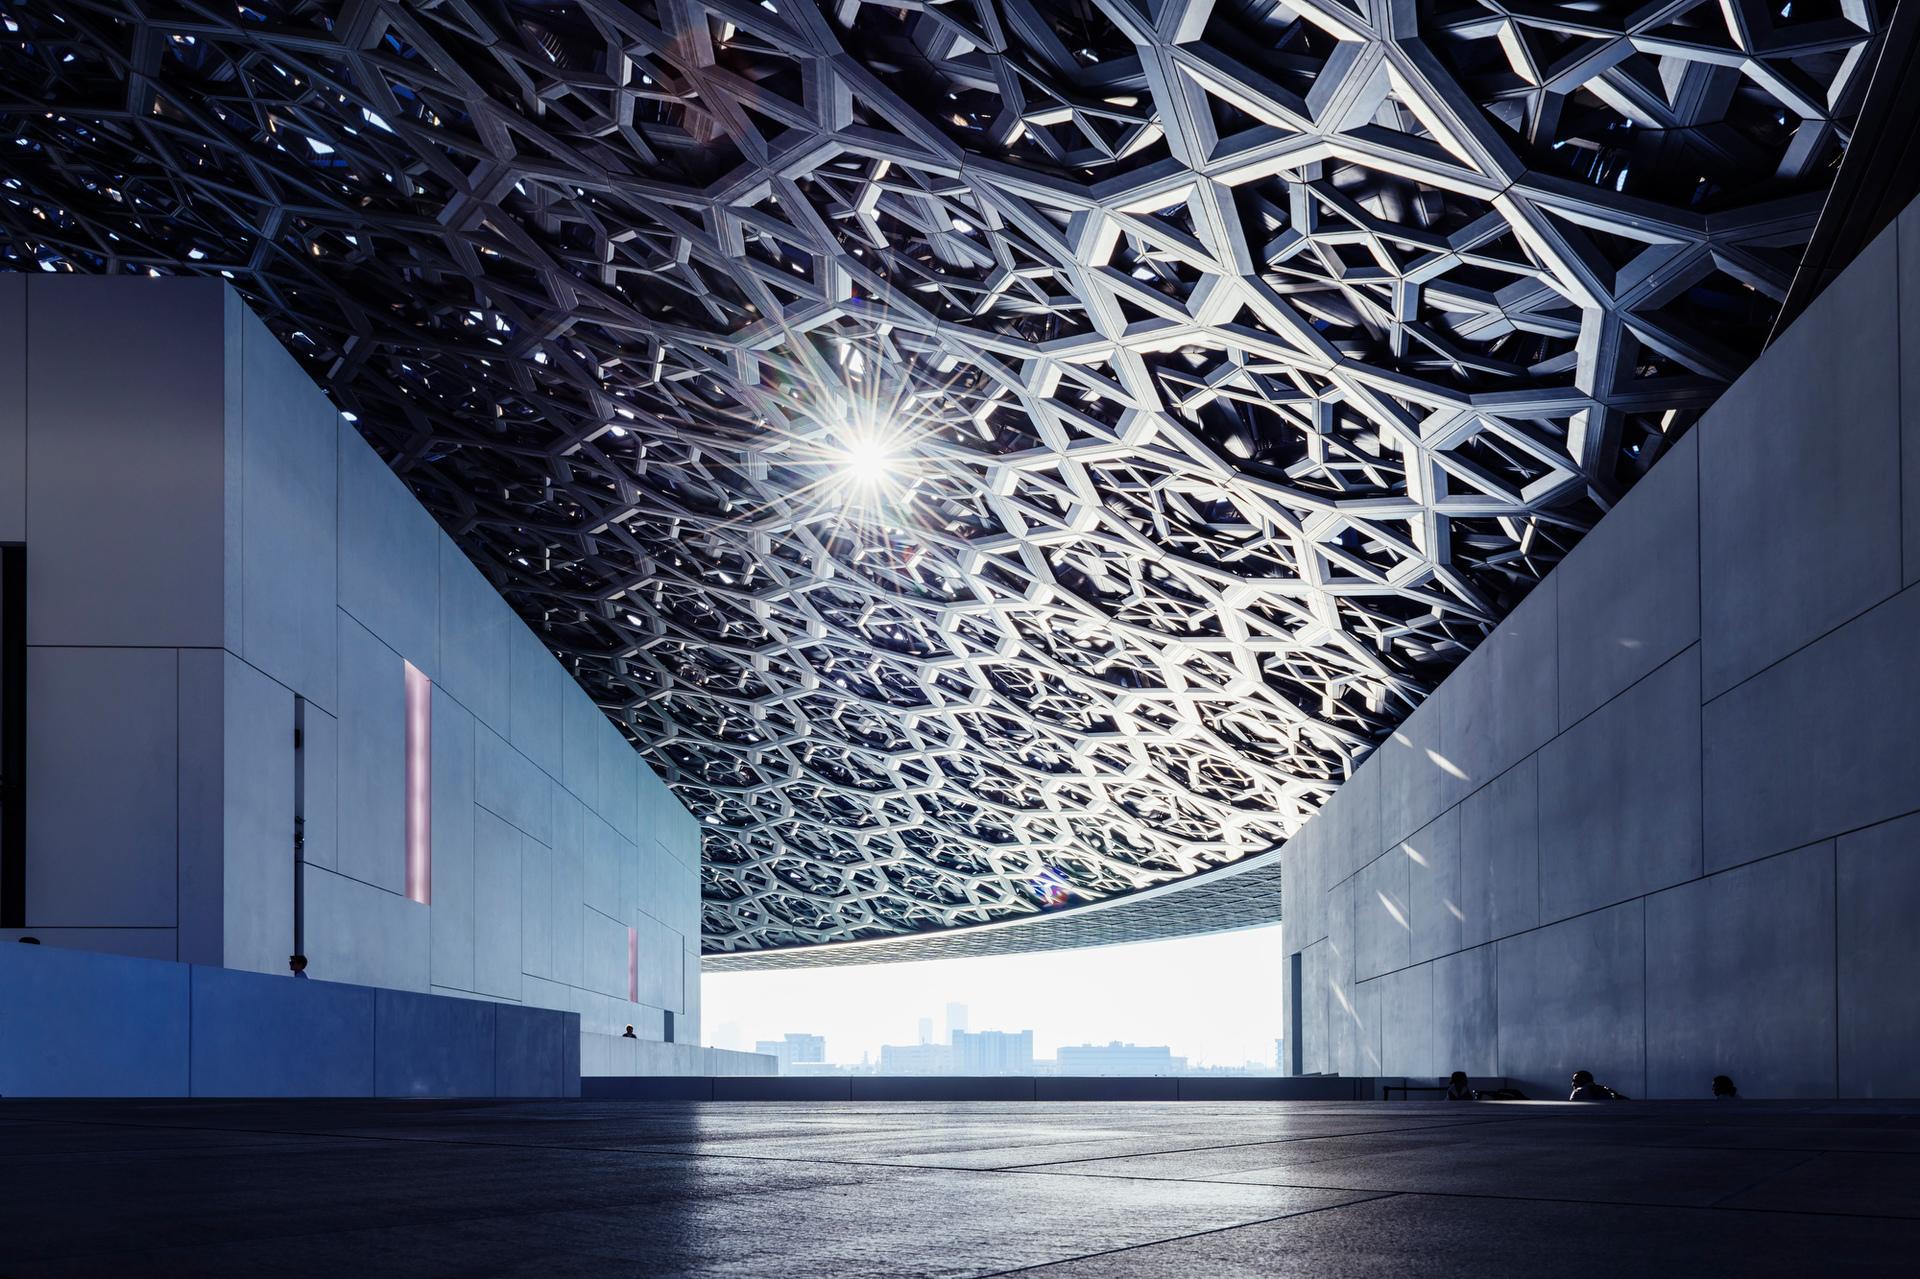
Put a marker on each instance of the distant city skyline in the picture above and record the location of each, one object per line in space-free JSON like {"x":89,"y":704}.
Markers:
{"x":992,"y":1052}
{"x":1213,"y":1000}
{"x":976,"y":1052}
{"x":1116,"y":1058}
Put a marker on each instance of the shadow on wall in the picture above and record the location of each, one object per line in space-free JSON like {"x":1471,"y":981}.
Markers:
{"x":77,"y":1024}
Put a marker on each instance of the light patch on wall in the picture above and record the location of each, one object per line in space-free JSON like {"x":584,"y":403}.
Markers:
{"x":419,"y":786}
{"x":633,"y":965}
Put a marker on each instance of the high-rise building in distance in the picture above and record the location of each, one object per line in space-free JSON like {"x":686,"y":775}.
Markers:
{"x":992,"y":1052}
{"x":794,"y":1050}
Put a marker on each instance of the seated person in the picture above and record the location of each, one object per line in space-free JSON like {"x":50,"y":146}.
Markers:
{"x":1723,"y":1089}
{"x":1586,"y":1089}
{"x":1457,"y":1087}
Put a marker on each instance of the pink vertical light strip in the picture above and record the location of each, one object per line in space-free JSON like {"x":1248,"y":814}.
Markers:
{"x":419,"y":786}
{"x":633,"y":965}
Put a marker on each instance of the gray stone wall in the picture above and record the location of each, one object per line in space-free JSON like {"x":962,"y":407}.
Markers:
{"x":1665,"y":823}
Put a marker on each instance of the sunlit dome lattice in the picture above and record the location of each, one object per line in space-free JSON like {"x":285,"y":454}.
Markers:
{"x":987,"y":454}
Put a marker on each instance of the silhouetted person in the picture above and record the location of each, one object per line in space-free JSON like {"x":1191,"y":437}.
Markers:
{"x":1586,"y":1089}
{"x":628,"y":1034}
{"x":1458,"y":1088}
{"x":1724,"y":1090}
{"x":299,"y":965}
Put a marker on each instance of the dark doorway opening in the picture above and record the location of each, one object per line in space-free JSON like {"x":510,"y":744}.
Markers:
{"x":13,"y":737}
{"x":1295,"y":1048}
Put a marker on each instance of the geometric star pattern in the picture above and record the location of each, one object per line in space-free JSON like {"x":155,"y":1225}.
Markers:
{"x":1234,"y":366}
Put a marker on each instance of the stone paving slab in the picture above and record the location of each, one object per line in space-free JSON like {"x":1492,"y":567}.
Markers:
{"x":956,"y":1189}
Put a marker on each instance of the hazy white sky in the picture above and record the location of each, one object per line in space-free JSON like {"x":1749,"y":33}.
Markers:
{"x":1212,"y":999}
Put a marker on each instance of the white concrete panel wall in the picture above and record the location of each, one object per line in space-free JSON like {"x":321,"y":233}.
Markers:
{"x":1665,"y":823}
{"x":102,"y":787}
{"x":257,"y":784}
{"x":389,"y":555}
{"x":498,"y":851}
{"x":128,"y":385}
{"x":535,"y":687}
{"x":288,"y":512}
{"x":114,"y":437}
{"x":474,"y":626}
{"x":512,"y":785}
{"x":568,"y":871}
{"x":372,"y":759}
{"x":237,"y":546}
{"x":455,"y":818}
{"x":536,"y":797}
{"x":365,"y":935}
{"x":202,"y":872}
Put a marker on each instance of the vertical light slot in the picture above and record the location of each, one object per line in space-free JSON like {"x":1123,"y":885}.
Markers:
{"x":633,"y":965}
{"x":419,"y":786}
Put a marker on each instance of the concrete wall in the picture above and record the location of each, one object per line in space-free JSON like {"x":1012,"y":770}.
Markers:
{"x":923,"y":1088}
{"x":1665,"y":823}
{"x":114,"y":479}
{"x":81,"y":1024}
{"x":616,"y":1055}
{"x":208,"y":540}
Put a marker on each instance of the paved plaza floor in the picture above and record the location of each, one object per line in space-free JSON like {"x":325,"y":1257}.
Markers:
{"x":1065,"y":1191}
